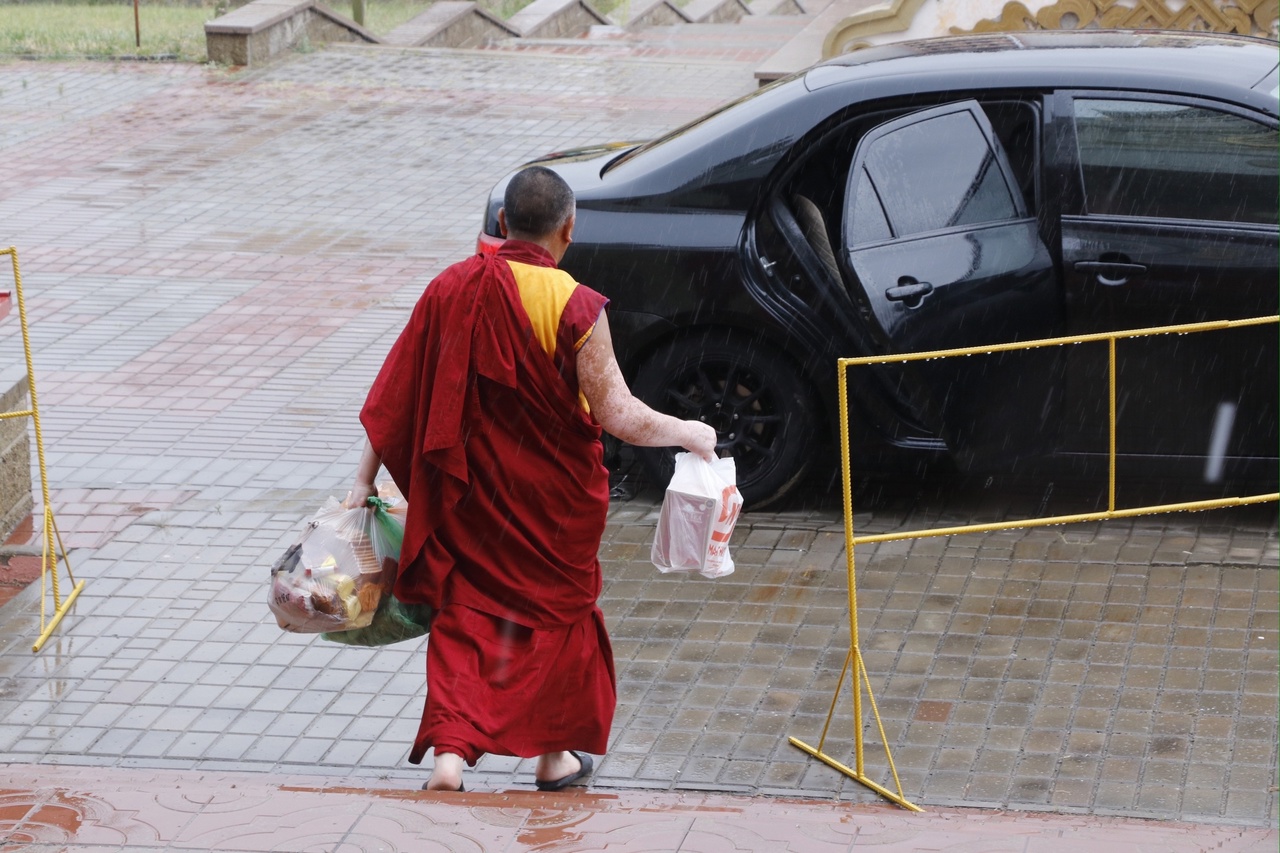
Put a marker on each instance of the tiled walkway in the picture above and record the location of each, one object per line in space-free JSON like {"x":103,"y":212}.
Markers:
{"x":215,"y":264}
{"x":148,"y":811}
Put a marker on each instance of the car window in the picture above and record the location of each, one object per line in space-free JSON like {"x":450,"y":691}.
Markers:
{"x":870,"y":225}
{"x":1017,"y":127}
{"x":939,"y":172}
{"x":1175,"y":161}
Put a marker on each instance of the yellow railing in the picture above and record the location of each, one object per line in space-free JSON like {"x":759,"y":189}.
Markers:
{"x":854,"y":658}
{"x":49,"y":556}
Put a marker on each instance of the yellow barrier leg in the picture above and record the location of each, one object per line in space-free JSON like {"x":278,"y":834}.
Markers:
{"x":49,"y":554}
{"x":855,"y":776}
{"x":854,"y":658}
{"x":57,"y":617}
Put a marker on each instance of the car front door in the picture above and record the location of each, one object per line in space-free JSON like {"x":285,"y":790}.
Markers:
{"x":1174,"y":222}
{"x":941,"y":237}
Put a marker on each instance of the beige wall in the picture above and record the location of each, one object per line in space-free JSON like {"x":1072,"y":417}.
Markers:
{"x":897,"y":20}
{"x":15,"y":459}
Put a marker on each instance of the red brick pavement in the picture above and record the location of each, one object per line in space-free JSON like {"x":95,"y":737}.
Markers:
{"x":143,"y":811}
{"x":16,"y":572}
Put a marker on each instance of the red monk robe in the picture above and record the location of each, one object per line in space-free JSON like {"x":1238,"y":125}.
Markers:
{"x":478,"y":418}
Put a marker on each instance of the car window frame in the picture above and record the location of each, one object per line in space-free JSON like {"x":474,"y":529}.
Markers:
{"x":1074,"y":197}
{"x":971,"y":105}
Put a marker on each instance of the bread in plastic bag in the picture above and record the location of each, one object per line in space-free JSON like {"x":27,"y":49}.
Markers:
{"x":698,"y":513}
{"x":341,"y":569}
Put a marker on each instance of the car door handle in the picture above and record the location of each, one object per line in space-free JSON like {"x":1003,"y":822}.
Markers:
{"x":908,"y":290}
{"x":1111,"y":273}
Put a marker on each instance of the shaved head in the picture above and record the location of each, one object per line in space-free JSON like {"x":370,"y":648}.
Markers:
{"x":537,"y":202}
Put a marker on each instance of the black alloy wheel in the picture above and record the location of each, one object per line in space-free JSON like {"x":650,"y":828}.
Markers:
{"x":760,"y":407}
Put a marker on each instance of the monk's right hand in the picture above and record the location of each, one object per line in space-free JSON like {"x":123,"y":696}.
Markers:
{"x":701,"y":440}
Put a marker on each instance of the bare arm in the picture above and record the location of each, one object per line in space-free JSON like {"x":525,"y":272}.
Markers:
{"x":367,"y":469}
{"x":625,"y":416}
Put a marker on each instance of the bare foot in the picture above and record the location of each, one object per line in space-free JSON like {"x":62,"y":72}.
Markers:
{"x":446,"y":775}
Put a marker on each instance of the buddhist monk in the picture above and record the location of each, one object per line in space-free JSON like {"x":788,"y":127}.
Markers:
{"x":488,"y":414}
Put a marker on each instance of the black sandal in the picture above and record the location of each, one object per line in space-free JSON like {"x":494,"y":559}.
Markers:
{"x":565,"y":781}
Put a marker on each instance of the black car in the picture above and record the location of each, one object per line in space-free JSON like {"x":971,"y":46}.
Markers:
{"x":946,"y":193}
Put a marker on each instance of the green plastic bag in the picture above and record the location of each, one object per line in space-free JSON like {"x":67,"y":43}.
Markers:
{"x":393,"y":621}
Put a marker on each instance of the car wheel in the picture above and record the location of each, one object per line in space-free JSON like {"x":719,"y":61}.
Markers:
{"x":761,"y":408}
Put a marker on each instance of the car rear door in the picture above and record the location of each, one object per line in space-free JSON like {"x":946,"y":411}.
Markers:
{"x":1174,"y":221}
{"x":943,"y":242}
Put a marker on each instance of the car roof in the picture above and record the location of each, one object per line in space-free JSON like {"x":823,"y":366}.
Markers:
{"x":1085,"y":58}
{"x":735,"y":147}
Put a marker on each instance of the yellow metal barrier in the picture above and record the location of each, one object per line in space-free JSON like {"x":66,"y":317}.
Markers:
{"x":49,"y":557}
{"x":854,"y":658}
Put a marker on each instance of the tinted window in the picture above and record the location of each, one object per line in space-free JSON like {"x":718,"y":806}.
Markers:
{"x":933,"y":174}
{"x":1017,"y":128}
{"x":869,"y":222}
{"x":1174,"y":161}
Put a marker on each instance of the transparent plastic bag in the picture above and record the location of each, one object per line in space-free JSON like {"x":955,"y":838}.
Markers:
{"x":698,"y":513}
{"x":394,"y":620}
{"x":340,"y":570}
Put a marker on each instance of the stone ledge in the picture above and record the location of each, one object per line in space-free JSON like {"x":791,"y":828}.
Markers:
{"x":552,"y":19}
{"x":780,"y":7}
{"x":15,"y":454}
{"x":657,"y":13}
{"x":717,"y":11}
{"x":451,"y":23}
{"x":262,"y":30}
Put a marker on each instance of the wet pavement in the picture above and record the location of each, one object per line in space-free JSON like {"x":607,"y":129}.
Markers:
{"x":215,"y":264}
{"x":146,"y":811}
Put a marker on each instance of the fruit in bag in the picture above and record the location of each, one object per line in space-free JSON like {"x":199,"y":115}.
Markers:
{"x":334,"y":576}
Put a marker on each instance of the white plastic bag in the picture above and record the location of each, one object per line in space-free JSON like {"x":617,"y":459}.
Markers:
{"x":697,"y":517}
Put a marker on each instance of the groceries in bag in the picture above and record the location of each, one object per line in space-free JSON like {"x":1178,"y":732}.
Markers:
{"x":393,"y":620}
{"x":698,"y":513}
{"x":336,"y":574}
{"x":337,"y":579}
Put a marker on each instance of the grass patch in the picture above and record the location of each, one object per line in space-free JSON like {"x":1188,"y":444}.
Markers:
{"x":99,"y":30}
{"x":65,"y":31}
{"x":382,"y":16}
{"x":622,"y":10}
{"x":503,"y":8}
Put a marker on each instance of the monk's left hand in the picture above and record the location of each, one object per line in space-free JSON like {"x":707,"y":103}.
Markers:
{"x":359,"y":493}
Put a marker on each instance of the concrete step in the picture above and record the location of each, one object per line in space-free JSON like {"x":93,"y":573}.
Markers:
{"x":556,"y":19}
{"x":805,"y":48}
{"x":256,"y":33}
{"x":716,"y":11}
{"x":745,"y":30}
{"x":451,"y":23}
{"x":763,"y":8}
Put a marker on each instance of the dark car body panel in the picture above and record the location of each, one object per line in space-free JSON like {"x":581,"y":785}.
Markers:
{"x":698,"y":231}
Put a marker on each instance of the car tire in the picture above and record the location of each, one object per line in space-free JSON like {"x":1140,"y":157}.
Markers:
{"x":758,"y":403}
